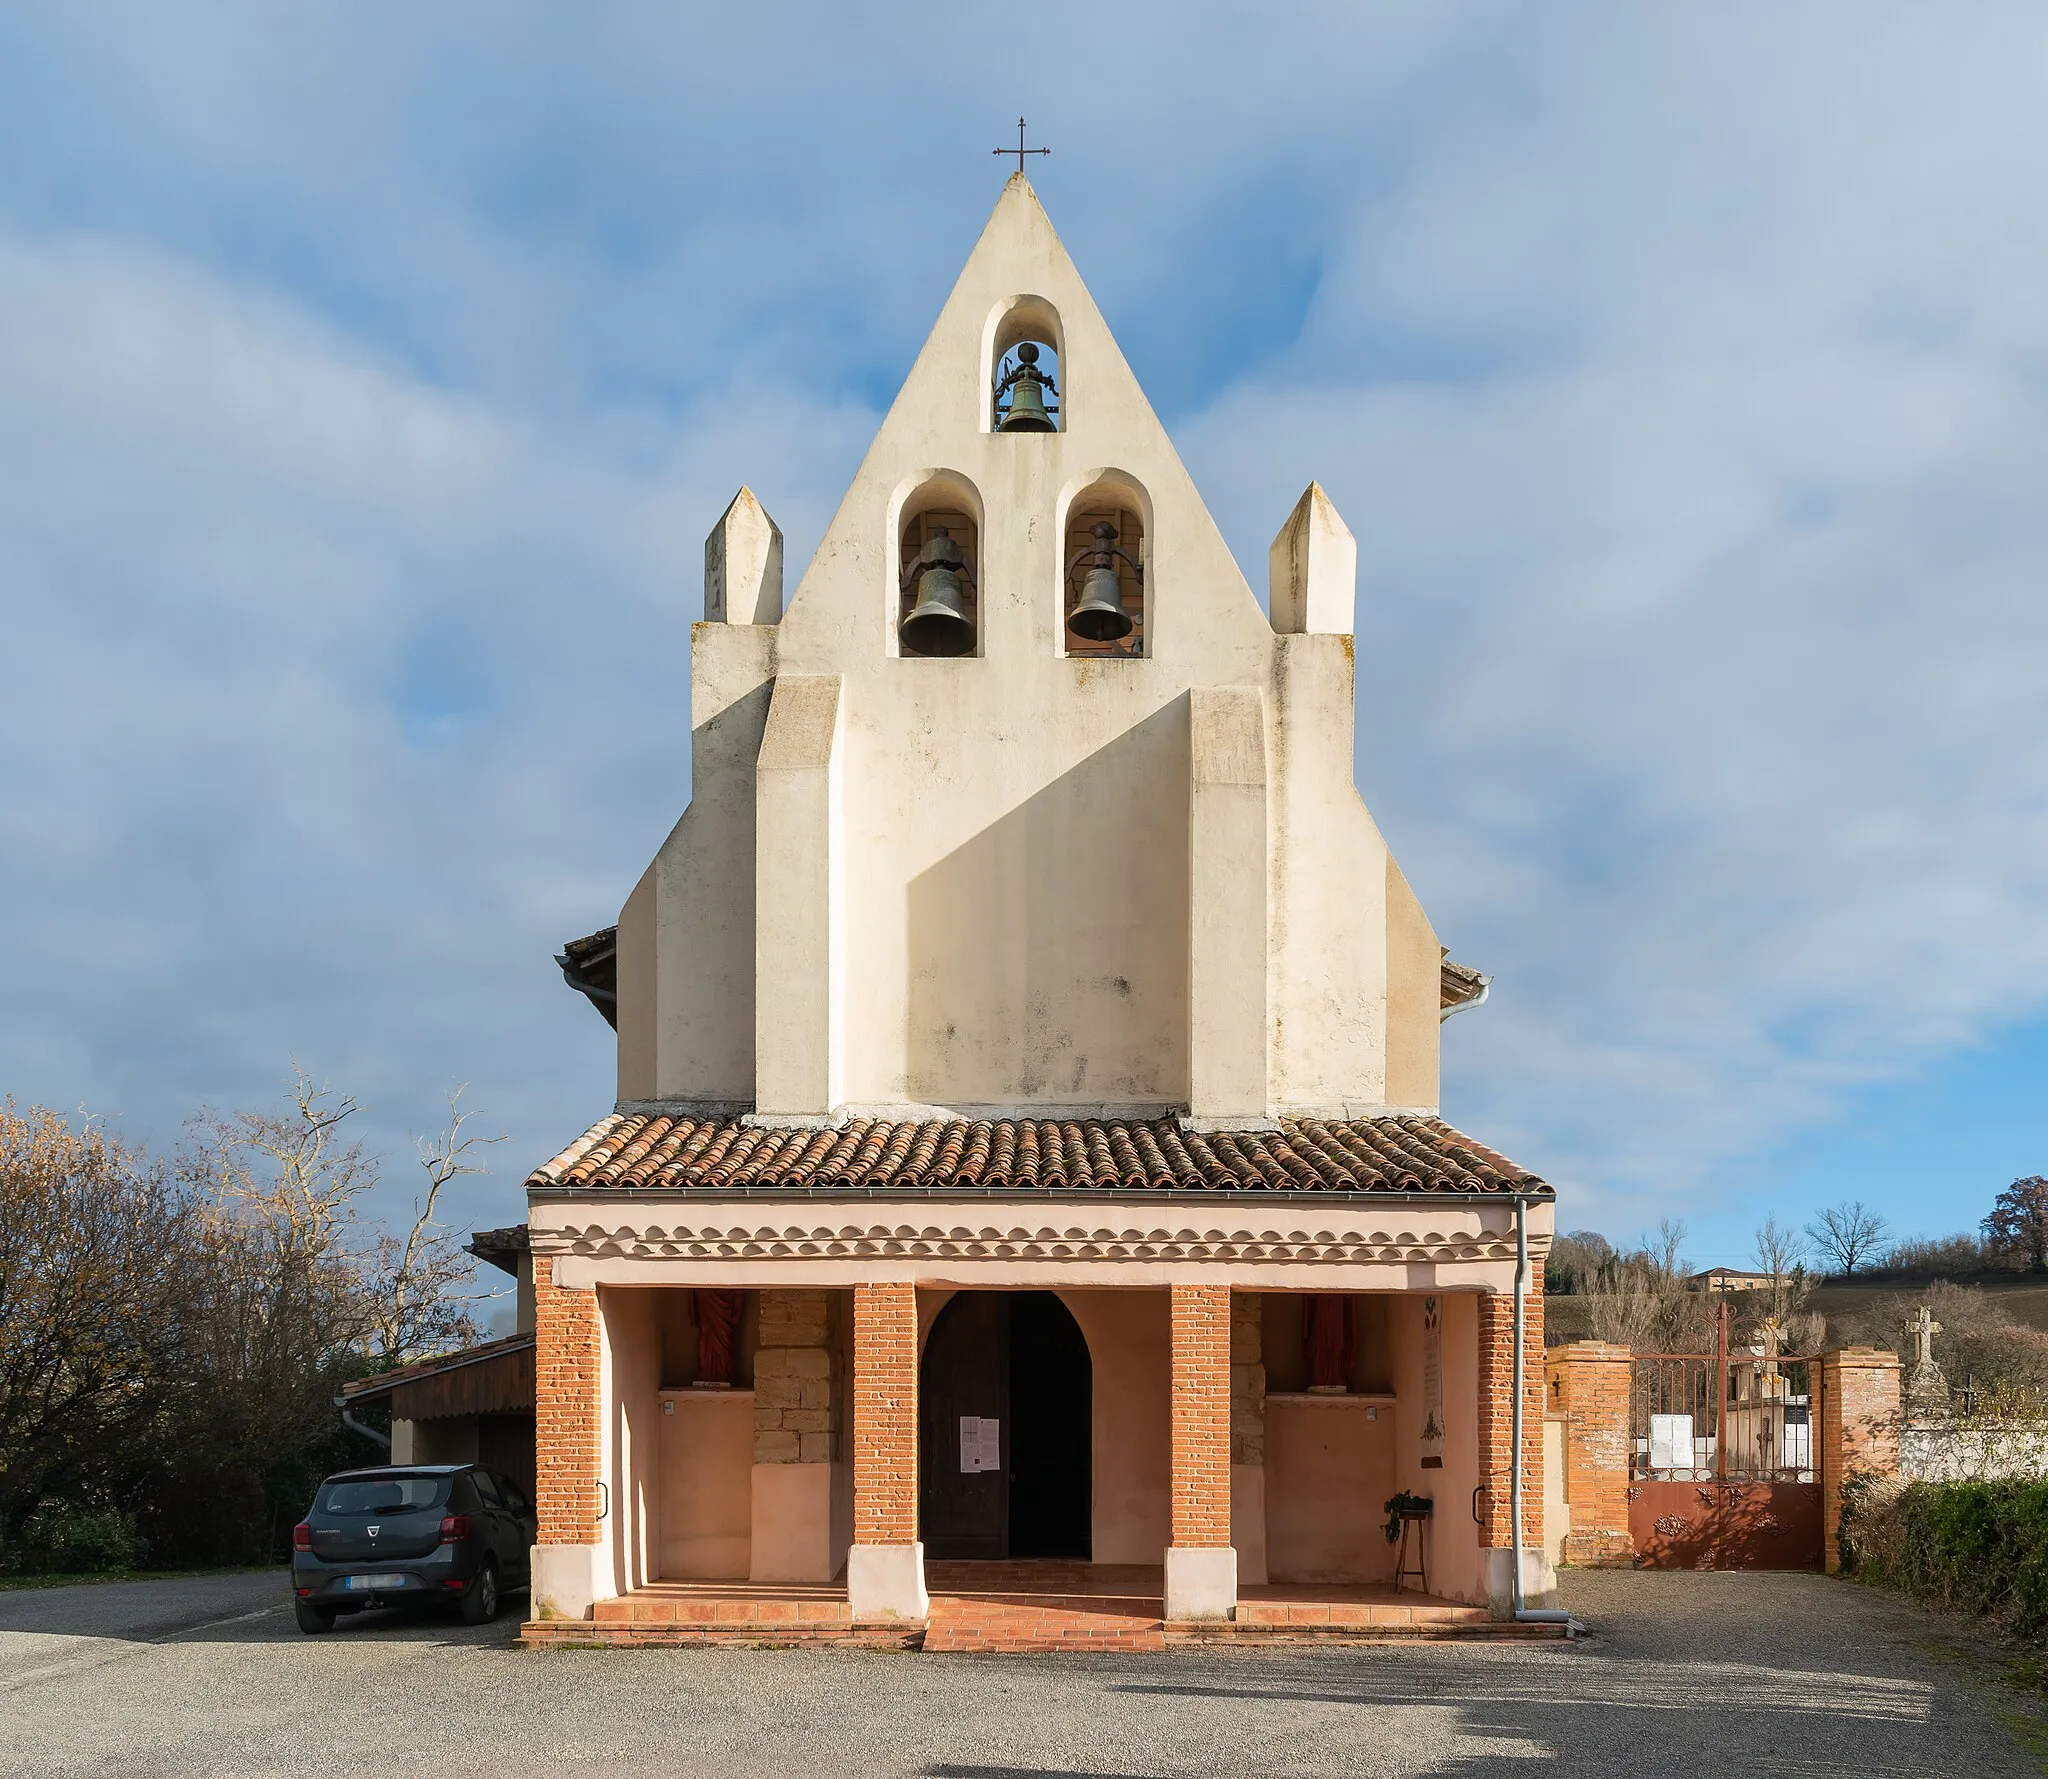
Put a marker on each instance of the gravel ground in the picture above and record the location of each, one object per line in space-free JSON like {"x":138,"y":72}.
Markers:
{"x":1682,"y":1674}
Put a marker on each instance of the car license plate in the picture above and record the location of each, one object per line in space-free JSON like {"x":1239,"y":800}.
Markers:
{"x":370,"y":1584}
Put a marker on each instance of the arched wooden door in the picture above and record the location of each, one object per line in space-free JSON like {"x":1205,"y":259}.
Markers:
{"x":1005,"y":1427}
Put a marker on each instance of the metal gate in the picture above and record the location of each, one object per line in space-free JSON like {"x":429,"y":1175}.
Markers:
{"x":1724,"y":1459}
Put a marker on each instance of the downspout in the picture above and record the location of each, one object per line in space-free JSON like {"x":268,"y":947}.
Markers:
{"x":1524,"y":1613}
{"x":349,"y":1421}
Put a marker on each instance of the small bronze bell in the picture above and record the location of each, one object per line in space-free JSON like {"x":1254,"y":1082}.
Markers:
{"x":1026,"y":387}
{"x":938,"y":624}
{"x":1100,"y":614}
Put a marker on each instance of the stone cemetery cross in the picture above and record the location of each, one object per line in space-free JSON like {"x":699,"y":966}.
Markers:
{"x":1923,"y":1328}
{"x":1926,"y":1387}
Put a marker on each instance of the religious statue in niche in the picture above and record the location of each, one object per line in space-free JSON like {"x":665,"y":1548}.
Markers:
{"x":1326,"y":1324}
{"x":718,"y":1321}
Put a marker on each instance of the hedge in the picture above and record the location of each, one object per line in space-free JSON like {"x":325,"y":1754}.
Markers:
{"x":1979,"y":1547}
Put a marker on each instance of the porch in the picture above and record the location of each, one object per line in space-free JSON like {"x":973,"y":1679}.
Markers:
{"x":1020,"y":1607}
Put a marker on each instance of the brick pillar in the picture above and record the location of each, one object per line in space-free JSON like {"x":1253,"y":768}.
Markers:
{"x":1859,"y":1429}
{"x":1201,"y":1563}
{"x":1590,"y":1379}
{"x":571,"y":1569}
{"x":1496,"y":1396}
{"x":885,"y":1568}
{"x":1248,"y":1435}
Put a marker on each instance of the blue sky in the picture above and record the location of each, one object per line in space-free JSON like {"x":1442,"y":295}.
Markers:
{"x":369,"y":378}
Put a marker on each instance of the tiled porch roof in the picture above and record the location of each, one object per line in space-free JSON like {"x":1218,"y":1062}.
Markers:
{"x":720,"y":1155}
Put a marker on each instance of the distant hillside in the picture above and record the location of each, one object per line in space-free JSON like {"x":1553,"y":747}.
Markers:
{"x":2024,"y":1296}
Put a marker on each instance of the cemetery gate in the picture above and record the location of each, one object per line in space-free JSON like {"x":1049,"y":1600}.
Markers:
{"x":1724,"y":1458}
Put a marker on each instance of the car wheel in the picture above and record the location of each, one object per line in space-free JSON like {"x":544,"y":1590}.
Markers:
{"x":313,"y":1619}
{"x":480,"y":1604}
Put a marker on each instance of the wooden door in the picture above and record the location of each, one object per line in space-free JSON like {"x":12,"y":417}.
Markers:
{"x":964,"y":1386}
{"x":1051,"y":1411}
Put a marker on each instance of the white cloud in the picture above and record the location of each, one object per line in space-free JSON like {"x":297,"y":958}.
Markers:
{"x":367,"y":387}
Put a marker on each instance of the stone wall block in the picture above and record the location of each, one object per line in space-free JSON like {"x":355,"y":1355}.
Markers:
{"x":796,"y":1318}
{"x":776,"y":1447}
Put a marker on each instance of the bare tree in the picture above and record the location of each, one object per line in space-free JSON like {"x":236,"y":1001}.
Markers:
{"x":285,"y":1174}
{"x":1848,"y":1235}
{"x":1644,"y":1299}
{"x":418,"y":1304}
{"x":1778,"y":1308}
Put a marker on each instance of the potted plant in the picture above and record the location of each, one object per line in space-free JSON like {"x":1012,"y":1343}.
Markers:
{"x":1405,"y":1506}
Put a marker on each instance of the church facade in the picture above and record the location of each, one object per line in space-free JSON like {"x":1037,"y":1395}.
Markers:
{"x":1026,"y":1142}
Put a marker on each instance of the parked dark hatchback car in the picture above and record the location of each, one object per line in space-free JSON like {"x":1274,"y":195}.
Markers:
{"x":411,"y":1535}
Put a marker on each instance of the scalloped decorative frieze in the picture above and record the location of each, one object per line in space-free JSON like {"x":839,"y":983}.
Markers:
{"x":903,"y":1242}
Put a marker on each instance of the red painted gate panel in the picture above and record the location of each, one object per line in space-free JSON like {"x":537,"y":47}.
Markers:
{"x":1725,"y":1525}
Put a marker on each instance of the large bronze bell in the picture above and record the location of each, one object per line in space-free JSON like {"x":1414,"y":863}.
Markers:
{"x":1100,"y":616}
{"x":938,"y":623}
{"x":1026,"y":386}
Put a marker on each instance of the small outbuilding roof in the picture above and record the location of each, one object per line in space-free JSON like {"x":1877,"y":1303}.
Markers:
{"x":680,"y":1153}
{"x":494,"y":1378}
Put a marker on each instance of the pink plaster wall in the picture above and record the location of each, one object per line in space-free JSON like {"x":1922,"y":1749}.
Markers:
{"x":1456,"y":1568}
{"x":706,"y":1498}
{"x":1129,"y":1346}
{"x":798,"y":1534}
{"x":1329,"y":1471}
{"x":630,"y":1319}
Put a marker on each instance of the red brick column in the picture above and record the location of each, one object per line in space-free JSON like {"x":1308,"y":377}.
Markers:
{"x":1200,"y":1469}
{"x":1859,"y":1429}
{"x":568,"y":1410}
{"x":1496,"y":1412}
{"x":1590,"y":1382}
{"x":885,"y":1414}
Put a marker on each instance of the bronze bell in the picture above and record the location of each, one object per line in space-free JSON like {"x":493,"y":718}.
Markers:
{"x":938,"y":623}
{"x":1100,"y":615}
{"x":1026,"y":386}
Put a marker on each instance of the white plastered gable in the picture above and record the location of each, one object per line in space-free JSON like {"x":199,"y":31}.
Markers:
{"x":1014,"y":880}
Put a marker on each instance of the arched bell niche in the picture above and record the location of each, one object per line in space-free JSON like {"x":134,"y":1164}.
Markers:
{"x":1025,"y":361}
{"x":1105,"y":568}
{"x":936,"y":567}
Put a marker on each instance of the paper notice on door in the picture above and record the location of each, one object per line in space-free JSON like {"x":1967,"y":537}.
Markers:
{"x":980,"y":1444}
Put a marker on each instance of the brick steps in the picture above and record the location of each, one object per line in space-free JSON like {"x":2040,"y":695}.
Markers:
{"x":1019,"y":1608}
{"x":570,"y":1633}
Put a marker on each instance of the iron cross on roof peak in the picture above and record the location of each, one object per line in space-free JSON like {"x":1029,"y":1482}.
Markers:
{"x":1020,"y":151}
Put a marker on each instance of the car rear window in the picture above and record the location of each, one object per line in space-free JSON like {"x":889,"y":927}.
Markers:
{"x":380,"y":1494}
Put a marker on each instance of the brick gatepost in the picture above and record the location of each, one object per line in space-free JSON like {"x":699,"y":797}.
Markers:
{"x":568,"y":1410}
{"x":885,"y":1568}
{"x":1591,"y":1383}
{"x":1859,"y":1429}
{"x":1201,"y":1565}
{"x":1496,"y":1409}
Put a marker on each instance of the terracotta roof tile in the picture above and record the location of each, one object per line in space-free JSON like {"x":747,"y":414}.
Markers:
{"x":711,"y":1155}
